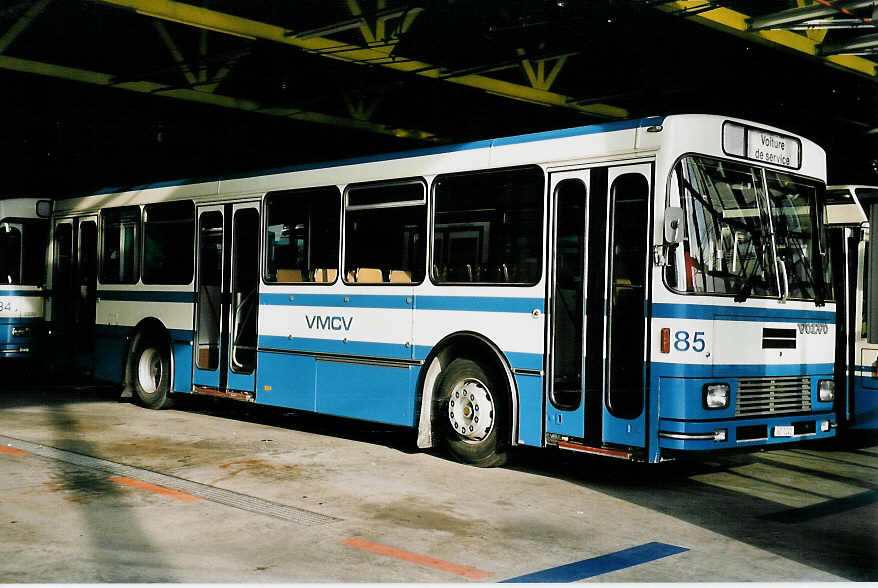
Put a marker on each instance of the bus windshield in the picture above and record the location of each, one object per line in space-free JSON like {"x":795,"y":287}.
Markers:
{"x":23,"y":252}
{"x":748,"y":231}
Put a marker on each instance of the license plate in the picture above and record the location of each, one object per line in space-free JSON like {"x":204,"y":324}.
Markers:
{"x":784,"y":431}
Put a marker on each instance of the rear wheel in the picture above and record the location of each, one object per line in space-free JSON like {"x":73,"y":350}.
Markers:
{"x":472,"y":414}
{"x":149,"y":371}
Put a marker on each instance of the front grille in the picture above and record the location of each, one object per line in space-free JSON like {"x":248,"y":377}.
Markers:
{"x":759,"y":396}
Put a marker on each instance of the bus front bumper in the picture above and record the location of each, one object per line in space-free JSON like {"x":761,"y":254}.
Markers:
{"x":727,"y":434}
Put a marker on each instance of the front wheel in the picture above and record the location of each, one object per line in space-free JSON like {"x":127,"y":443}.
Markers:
{"x":471,"y":414}
{"x":149,"y":369}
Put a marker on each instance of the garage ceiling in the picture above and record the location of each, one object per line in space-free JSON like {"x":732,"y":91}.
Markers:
{"x":103,"y":93}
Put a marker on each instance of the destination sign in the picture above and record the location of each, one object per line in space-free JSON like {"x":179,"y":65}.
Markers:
{"x":762,"y":145}
{"x":773,"y":148}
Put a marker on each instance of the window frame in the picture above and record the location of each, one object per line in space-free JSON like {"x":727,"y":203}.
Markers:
{"x":263,"y":270}
{"x":346,"y":207}
{"x":543,"y":232}
{"x":138,"y":231}
{"x":143,"y":221}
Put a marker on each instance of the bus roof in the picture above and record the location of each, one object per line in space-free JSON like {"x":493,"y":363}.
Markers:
{"x":487,"y":143}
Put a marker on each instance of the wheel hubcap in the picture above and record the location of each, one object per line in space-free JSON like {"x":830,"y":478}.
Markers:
{"x":471,"y":409}
{"x":149,"y":371}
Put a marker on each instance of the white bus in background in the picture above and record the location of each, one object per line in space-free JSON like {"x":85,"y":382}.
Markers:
{"x":850,"y":212}
{"x":24,"y":231}
{"x":637,"y":289}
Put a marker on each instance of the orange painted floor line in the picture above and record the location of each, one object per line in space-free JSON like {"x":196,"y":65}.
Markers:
{"x":423,"y":560}
{"x":12,"y":451}
{"x":154,"y":488}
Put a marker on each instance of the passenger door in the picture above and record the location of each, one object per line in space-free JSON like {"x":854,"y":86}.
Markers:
{"x":227,"y":297}
{"x":74,"y":288}
{"x":565,"y":401}
{"x":625,"y":294}
{"x":86,"y":276}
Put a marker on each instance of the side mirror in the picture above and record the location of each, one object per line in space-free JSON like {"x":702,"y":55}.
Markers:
{"x":673,"y":225}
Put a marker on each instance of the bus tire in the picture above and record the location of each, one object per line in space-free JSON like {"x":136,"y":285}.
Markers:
{"x":149,"y":369}
{"x":471,"y":414}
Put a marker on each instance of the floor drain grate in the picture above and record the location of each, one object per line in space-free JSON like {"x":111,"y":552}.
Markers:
{"x":218,"y":495}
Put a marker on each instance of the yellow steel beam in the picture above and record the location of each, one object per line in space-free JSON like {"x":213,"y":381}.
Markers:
{"x":176,"y":54}
{"x":735,"y":22}
{"x":378,"y":53}
{"x":22,"y":23}
{"x":193,"y":95}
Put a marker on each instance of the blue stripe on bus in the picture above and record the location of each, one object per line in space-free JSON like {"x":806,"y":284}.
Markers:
{"x":31,"y":293}
{"x":603,"y":564}
{"x":146,"y":296}
{"x":353,"y":300}
{"x":739,"y":313}
{"x":485,"y":144}
{"x":479,"y":303}
{"x":579,"y":131}
{"x":689,"y":370}
{"x":458,"y":303}
{"x":27,"y":320}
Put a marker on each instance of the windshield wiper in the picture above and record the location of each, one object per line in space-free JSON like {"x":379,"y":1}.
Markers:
{"x":746,"y":289}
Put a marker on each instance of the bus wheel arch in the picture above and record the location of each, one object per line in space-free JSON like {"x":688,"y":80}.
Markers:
{"x":478,"y":367}
{"x":149,"y":365}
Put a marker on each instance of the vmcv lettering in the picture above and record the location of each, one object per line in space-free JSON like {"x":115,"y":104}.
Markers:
{"x":335,"y":323}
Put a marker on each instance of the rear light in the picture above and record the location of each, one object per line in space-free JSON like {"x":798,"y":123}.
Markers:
{"x":666,"y":340}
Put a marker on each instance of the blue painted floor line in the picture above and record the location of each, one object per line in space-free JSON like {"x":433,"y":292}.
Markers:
{"x":602,"y":564}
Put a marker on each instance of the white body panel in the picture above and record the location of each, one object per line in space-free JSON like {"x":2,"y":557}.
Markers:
{"x":27,"y":303}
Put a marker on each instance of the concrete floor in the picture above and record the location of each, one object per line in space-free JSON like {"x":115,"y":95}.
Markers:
{"x":269,"y":496}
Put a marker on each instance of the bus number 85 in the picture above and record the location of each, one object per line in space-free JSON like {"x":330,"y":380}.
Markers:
{"x":682,"y":343}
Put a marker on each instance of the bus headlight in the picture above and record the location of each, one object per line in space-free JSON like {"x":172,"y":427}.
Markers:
{"x":20,"y":332}
{"x":825,"y":390}
{"x":716,"y":395}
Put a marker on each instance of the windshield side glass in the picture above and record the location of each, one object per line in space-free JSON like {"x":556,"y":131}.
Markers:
{"x":23,"y":246}
{"x":800,"y":242}
{"x":726,"y":246}
{"x":10,"y":253}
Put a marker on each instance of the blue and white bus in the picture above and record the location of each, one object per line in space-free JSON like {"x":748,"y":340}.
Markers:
{"x":850,"y":212}
{"x":637,"y":289}
{"x":24,"y":231}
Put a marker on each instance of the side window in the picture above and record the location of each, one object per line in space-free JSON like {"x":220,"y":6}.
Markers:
{"x":168,"y":237}
{"x":33,"y":256}
{"x":385,"y":233}
{"x":488,"y":227}
{"x":302,"y":236}
{"x":119,"y":252}
{"x":10,"y":253}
